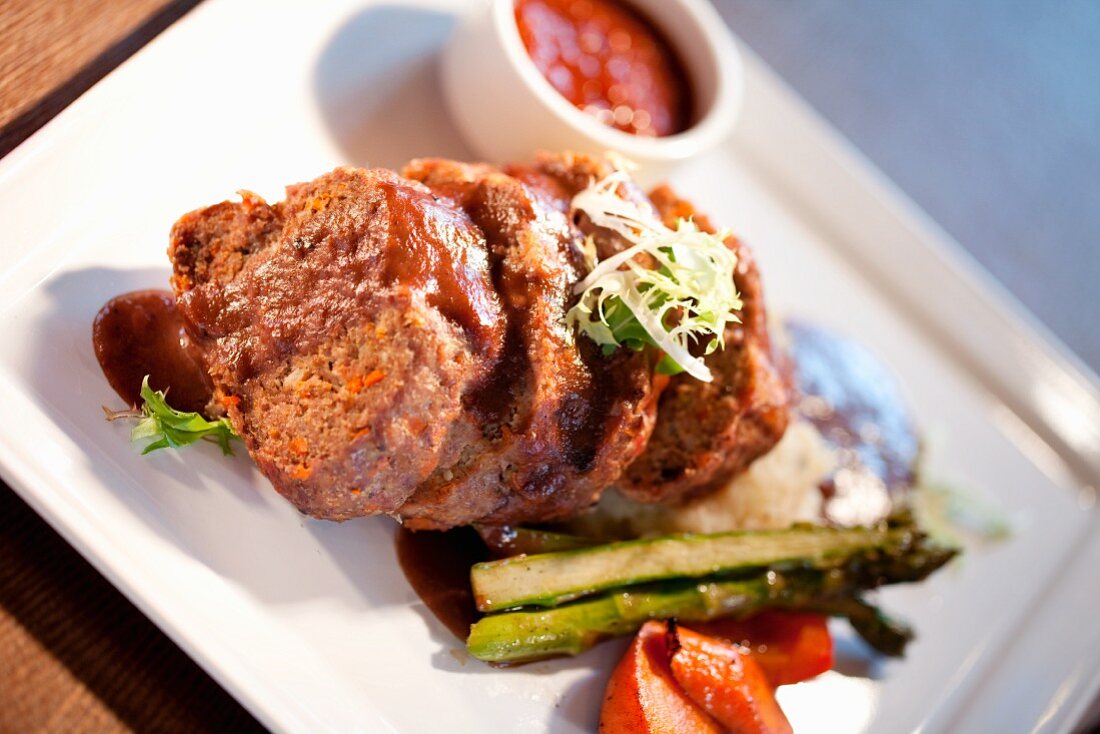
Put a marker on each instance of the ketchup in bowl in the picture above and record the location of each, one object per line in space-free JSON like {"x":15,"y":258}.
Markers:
{"x":609,"y":61}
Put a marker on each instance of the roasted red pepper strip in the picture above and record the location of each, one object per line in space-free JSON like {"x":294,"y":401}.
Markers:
{"x":789,"y":646}
{"x":675,"y":680}
{"x":726,"y":683}
{"x":642,"y":696}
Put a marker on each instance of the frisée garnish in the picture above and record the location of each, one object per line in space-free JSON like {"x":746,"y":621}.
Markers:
{"x":165,"y":427}
{"x":688,"y":297}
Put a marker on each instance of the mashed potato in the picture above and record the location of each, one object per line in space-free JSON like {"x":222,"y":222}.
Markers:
{"x":778,"y":489}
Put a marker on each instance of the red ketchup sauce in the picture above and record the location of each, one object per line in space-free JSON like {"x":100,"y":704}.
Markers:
{"x":609,"y":61}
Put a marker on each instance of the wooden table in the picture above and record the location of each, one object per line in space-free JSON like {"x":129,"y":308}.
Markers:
{"x":987,"y":113}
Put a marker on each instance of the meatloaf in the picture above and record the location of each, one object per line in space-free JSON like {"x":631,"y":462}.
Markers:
{"x":396,"y":344}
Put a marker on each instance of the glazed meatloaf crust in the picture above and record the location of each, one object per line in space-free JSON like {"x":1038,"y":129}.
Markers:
{"x":396,"y":344}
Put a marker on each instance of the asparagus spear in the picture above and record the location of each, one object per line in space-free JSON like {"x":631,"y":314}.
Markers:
{"x":879,"y":630}
{"x":571,"y":629}
{"x":549,"y":579}
{"x":521,"y":636}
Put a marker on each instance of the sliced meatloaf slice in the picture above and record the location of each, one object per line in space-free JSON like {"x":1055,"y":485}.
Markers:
{"x":342,"y":329}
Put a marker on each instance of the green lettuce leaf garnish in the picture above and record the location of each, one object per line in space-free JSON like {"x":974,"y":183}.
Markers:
{"x":687,"y":298}
{"x":163,"y":427}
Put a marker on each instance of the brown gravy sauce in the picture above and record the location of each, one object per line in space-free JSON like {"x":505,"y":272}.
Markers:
{"x":141,"y":333}
{"x":437,"y":566}
{"x":440,"y":255}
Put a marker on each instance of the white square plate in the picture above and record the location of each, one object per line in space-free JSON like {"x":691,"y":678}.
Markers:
{"x":311,"y":624}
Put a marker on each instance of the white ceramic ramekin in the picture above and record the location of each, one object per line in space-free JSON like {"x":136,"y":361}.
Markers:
{"x":506,"y":110}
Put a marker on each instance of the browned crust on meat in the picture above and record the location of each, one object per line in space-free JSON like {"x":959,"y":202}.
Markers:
{"x":213,"y":243}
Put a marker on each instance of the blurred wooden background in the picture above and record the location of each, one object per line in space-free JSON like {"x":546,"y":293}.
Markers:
{"x":986,"y":112}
